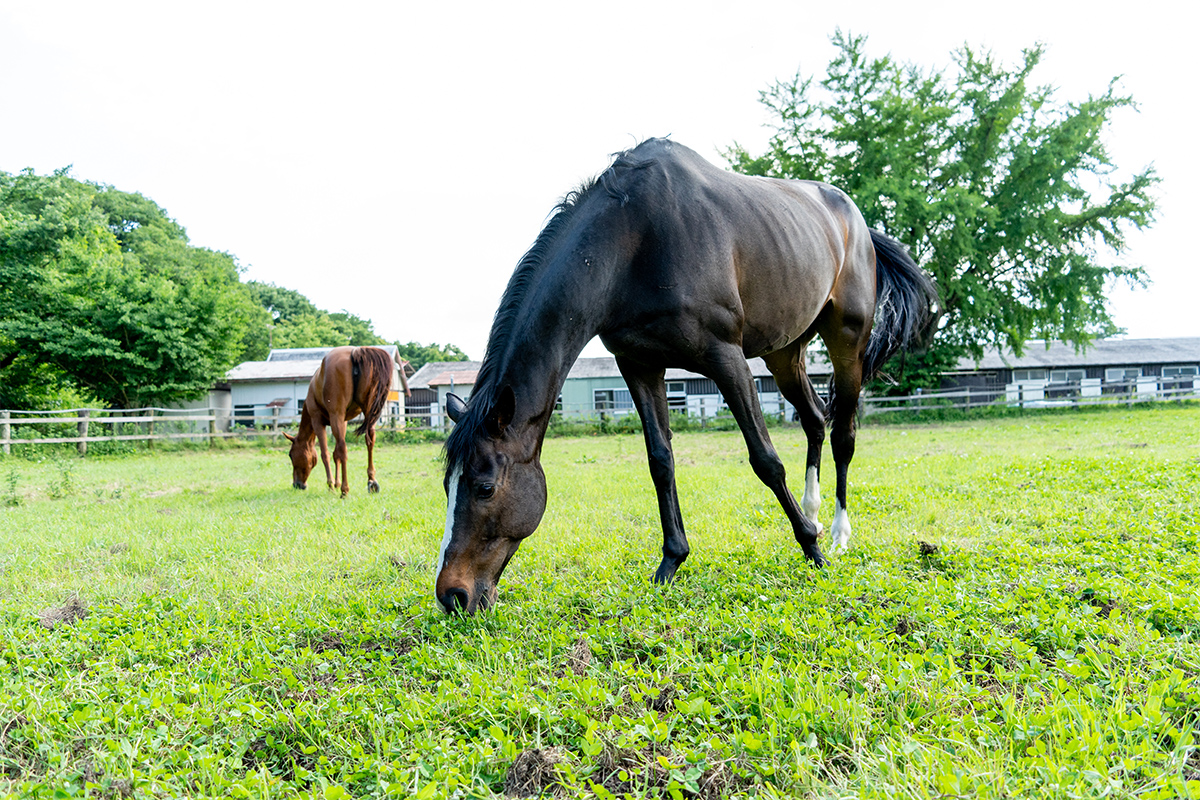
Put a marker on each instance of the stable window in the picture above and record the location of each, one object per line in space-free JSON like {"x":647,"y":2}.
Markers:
{"x":243,"y":415}
{"x":1117,"y":374}
{"x":612,"y":400}
{"x":1181,"y":371}
{"x":1021,"y":375}
{"x":676,"y":387}
{"x":1067,"y":375}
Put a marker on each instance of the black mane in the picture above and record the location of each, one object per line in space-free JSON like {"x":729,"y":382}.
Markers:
{"x":483,"y":395}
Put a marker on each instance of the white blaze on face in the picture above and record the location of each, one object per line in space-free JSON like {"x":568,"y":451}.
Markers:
{"x":451,"y":501}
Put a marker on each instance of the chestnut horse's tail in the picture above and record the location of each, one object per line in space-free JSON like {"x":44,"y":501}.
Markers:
{"x":904,"y":296}
{"x":374,"y":366}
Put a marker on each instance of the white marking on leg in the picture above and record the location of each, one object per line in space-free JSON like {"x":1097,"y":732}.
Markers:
{"x":840,"y":529}
{"x":811,"y":502}
{"x":451,"y":501}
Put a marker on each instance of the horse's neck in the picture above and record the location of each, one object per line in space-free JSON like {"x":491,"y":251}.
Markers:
{"x":541,"y":355}
{"x":307,"y":430}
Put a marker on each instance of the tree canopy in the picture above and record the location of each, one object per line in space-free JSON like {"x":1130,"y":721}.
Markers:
{"x":418,"y":355}
{"x":1007,"y":196}
{"x":101,"y":291}
{"x":103,"y":299}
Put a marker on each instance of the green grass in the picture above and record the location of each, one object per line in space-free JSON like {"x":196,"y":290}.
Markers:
{"x":244,"y":639}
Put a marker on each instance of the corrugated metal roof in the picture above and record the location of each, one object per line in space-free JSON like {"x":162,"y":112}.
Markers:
{"x":1102,"y":352}
{"x":316,"y":353}
{"x":437,"y":369}
{"x":273,"y":371}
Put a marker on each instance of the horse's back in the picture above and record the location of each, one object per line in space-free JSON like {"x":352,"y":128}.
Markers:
{"x":774,"y":252}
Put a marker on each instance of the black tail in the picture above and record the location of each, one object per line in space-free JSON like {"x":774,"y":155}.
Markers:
{"x":904,"y":296}
{"x":374,"y":366}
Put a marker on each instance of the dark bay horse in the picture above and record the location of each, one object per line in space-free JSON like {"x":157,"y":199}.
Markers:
{"x":673,"y":262}
{"x":349,"y":382}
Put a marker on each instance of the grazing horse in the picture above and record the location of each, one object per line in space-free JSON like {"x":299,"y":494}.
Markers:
{"x":350,"y":381}
{"x":673,"y":262}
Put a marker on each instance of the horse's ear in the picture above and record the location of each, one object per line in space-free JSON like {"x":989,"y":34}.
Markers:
{"x":455,"y":406}
{"x":502,"y":412}
{"x":288,"y":436}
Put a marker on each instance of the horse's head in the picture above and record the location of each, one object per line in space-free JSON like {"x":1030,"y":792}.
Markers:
{"x":495,"y":497}
{"x":304,"y":458}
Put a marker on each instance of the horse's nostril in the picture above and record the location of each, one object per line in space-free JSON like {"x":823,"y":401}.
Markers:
{"x":455,"y":600}
{"x":299,"y":485}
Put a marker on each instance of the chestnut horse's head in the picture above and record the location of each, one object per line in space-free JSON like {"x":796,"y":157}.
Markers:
{"x":304,"y":458}
{"x":495,"y":497}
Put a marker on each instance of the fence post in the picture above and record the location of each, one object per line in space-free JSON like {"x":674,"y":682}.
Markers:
{"x":212,"y":427}
{"x":150,"y":429}
{"x":274,"y":422}
{"x":5,"y":432}
{"x":83,"y":431}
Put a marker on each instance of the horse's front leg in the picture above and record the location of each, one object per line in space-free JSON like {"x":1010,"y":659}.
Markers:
{"x":732,"y":376}
{"x":650,"y":398}
{"x":337,"y":425}
{"x":324,"y":453}
{"x":372,"y":485}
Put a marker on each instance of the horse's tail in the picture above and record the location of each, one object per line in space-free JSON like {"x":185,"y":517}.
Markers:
{"x":375,"y":366}
{"x":904,"y":296}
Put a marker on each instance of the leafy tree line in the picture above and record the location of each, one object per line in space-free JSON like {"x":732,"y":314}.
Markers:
{"x":103,"y":299}
{"x":1005,"y":195}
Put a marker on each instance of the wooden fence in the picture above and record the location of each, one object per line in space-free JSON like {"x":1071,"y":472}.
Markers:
{"x":81,"y":426}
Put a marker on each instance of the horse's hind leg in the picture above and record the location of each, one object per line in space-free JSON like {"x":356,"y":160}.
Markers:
{"x":846,"y":387}
{"x":846,"y":355}
{"x":732,"y":376}
{"x":372,"y":485}
{"x":788,"y":368}
{"x":650,"y":398}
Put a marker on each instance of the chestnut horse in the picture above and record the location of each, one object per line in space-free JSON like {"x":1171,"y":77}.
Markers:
{"x":673,"y":262}
{"x":349,"y":382}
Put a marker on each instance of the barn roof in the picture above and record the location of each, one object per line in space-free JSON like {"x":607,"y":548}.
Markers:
{"x":273,"y":371}
{"x":289,"y":364}
{"x":1102,"y":352}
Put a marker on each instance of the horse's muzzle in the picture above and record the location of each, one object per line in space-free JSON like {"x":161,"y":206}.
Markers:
{"x":455,"y":601}
{"x":299,"y":485}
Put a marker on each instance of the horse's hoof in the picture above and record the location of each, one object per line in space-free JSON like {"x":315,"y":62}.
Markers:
{"x":372,"y":487}
{"x":666,"y":572}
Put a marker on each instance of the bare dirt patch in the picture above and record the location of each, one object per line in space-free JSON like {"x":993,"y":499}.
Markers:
{"x":67,"y":614}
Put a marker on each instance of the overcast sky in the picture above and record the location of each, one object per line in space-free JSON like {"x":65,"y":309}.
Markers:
{"x":396,"y":159}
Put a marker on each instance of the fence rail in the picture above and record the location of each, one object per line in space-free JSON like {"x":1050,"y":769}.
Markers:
{"x":90,"y":425}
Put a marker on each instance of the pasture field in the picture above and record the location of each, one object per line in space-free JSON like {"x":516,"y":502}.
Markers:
{"x":1017,"y":617}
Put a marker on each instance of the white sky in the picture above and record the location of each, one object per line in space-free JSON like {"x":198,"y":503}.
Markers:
{"x":396,"y":160}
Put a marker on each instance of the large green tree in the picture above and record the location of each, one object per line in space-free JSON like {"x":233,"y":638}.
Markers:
{"x":286,"y":318}
{"x":1005,"y":194}
{"x":418,"y":354}
{"x":101,"y":291}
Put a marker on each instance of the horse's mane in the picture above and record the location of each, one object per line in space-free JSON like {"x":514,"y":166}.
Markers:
{"x":612,"y":182}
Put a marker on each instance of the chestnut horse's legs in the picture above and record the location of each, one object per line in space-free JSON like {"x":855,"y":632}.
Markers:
{"x":787,"y":366}
{"x":732,"y":375}
{"x":320,"y":429}
{"x":372,"y":485}
{"x":337,"y":426}
{"x":650,"y":398}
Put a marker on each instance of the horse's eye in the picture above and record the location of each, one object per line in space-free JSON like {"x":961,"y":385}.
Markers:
{"x":485,"y":490}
